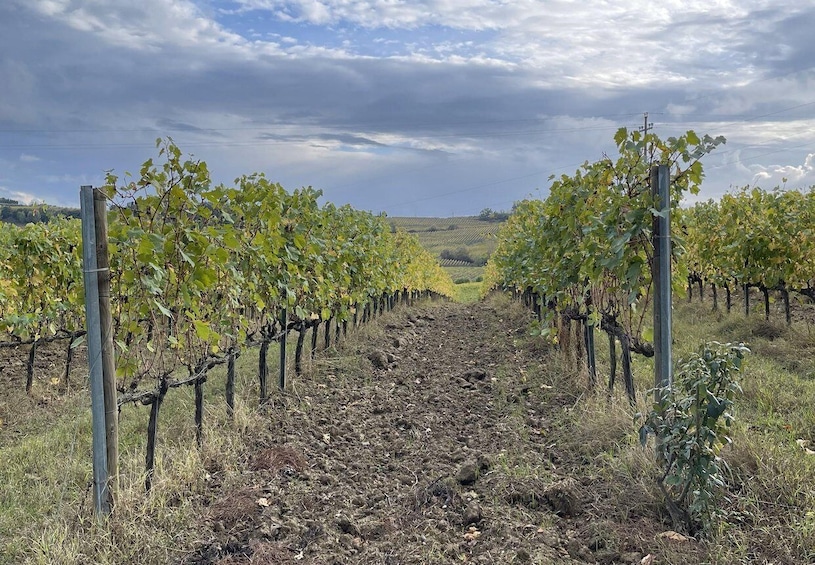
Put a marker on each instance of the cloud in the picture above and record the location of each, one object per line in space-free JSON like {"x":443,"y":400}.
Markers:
{"x":795,"y":176}
{"x":22,"y":197}
{"x":385,"y":102}
{"x":29,"y":158}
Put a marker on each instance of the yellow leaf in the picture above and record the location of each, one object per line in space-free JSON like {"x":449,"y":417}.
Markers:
{"x":673,"y":536}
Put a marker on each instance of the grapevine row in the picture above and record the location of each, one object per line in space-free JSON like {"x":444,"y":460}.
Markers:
{"x":199,"y":272}
{"x":753,"y":238}
{"x":584,"y":254}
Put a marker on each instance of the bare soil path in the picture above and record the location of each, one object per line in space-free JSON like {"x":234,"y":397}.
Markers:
{"x":447,"y":449}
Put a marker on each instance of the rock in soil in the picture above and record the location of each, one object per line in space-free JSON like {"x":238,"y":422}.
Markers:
{"x":472,"y":514}
{"x":562,"y":496}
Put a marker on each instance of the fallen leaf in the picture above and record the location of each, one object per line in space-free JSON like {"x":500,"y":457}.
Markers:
{"x":472,"y":533}
{"x":326,"y":438}
{"x":673,"y":536}
{"x":647,"y":560}
{"x":804,"y":444}
{"x":263,"y":501}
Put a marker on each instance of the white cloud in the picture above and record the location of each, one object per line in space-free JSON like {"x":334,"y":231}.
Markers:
{"x":793,"y":176}
{"x":26,"y":158}
{"x":22,"y":197}
{"x":143,"y":25}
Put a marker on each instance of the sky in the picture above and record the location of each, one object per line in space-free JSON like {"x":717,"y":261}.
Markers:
{"x":414,"y":108}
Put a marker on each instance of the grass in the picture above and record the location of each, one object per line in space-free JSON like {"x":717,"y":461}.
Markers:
{"x":471,"y":274}
{"x":767,"y":508}
{"x":45,"y":479}
{"x":468,"y":292}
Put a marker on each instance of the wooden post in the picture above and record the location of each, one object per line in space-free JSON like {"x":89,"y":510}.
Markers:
{"x":152,"y":429}
{"x":100,"y":213}
{"x":298,"y":352}
{"x":263,"y":365}
{"x":29,"y":368}
{"x":199,"y":411}
{"x":612,"y":374}
{"x":315,"y":328}
{"x":747,"y":300}
{"x":590,"y":357}
{"x":284,"y":333}
{"x":69,"y":357}
{"x":101,"y":482}
{"x":230,"y":384}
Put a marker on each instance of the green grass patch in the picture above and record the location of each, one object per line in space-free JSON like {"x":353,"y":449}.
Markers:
{"x":468,"y":292}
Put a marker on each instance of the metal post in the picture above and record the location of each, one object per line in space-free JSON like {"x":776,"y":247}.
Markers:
{"x":660,"y":183}
{"x":100,"y":465}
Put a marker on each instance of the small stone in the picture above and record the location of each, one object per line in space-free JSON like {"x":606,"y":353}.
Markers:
{"x":549,"y":537}
{"x":607,"y":556}
{"x":562,"y":496}
{"x":475,"y":375}
{"x":579,"y":551}
{"x":472,"y":514}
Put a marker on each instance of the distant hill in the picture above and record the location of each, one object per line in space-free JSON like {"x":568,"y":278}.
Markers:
{"x":462,"y":244}
{"x":14,"y":212}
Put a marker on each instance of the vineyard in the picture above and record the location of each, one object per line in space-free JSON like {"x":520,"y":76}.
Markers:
{"x":462,"y":244}
{"x":587,"y":256}
{"x":417,"y":430}
{"x":753,"y":239}
{"x":583,"y":255}
{"x":200,"y":273}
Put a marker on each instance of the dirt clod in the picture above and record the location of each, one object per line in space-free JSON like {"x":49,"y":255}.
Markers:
{"x":346,"y":526}
{"x":468,"y":473}
{"x":472,"y":514}
{"x":379,"y":359}
{"x":563,"y":497}
{"x":475,"y":375}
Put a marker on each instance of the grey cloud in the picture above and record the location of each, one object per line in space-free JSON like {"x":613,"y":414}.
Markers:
{"x":414,"y":130}
{"x":345,"y":139}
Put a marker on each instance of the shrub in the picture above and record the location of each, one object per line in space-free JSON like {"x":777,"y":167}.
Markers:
{"x":690,"y":422}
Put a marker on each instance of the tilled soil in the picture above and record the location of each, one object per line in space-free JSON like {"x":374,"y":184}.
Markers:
{"x":444,"y":452}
